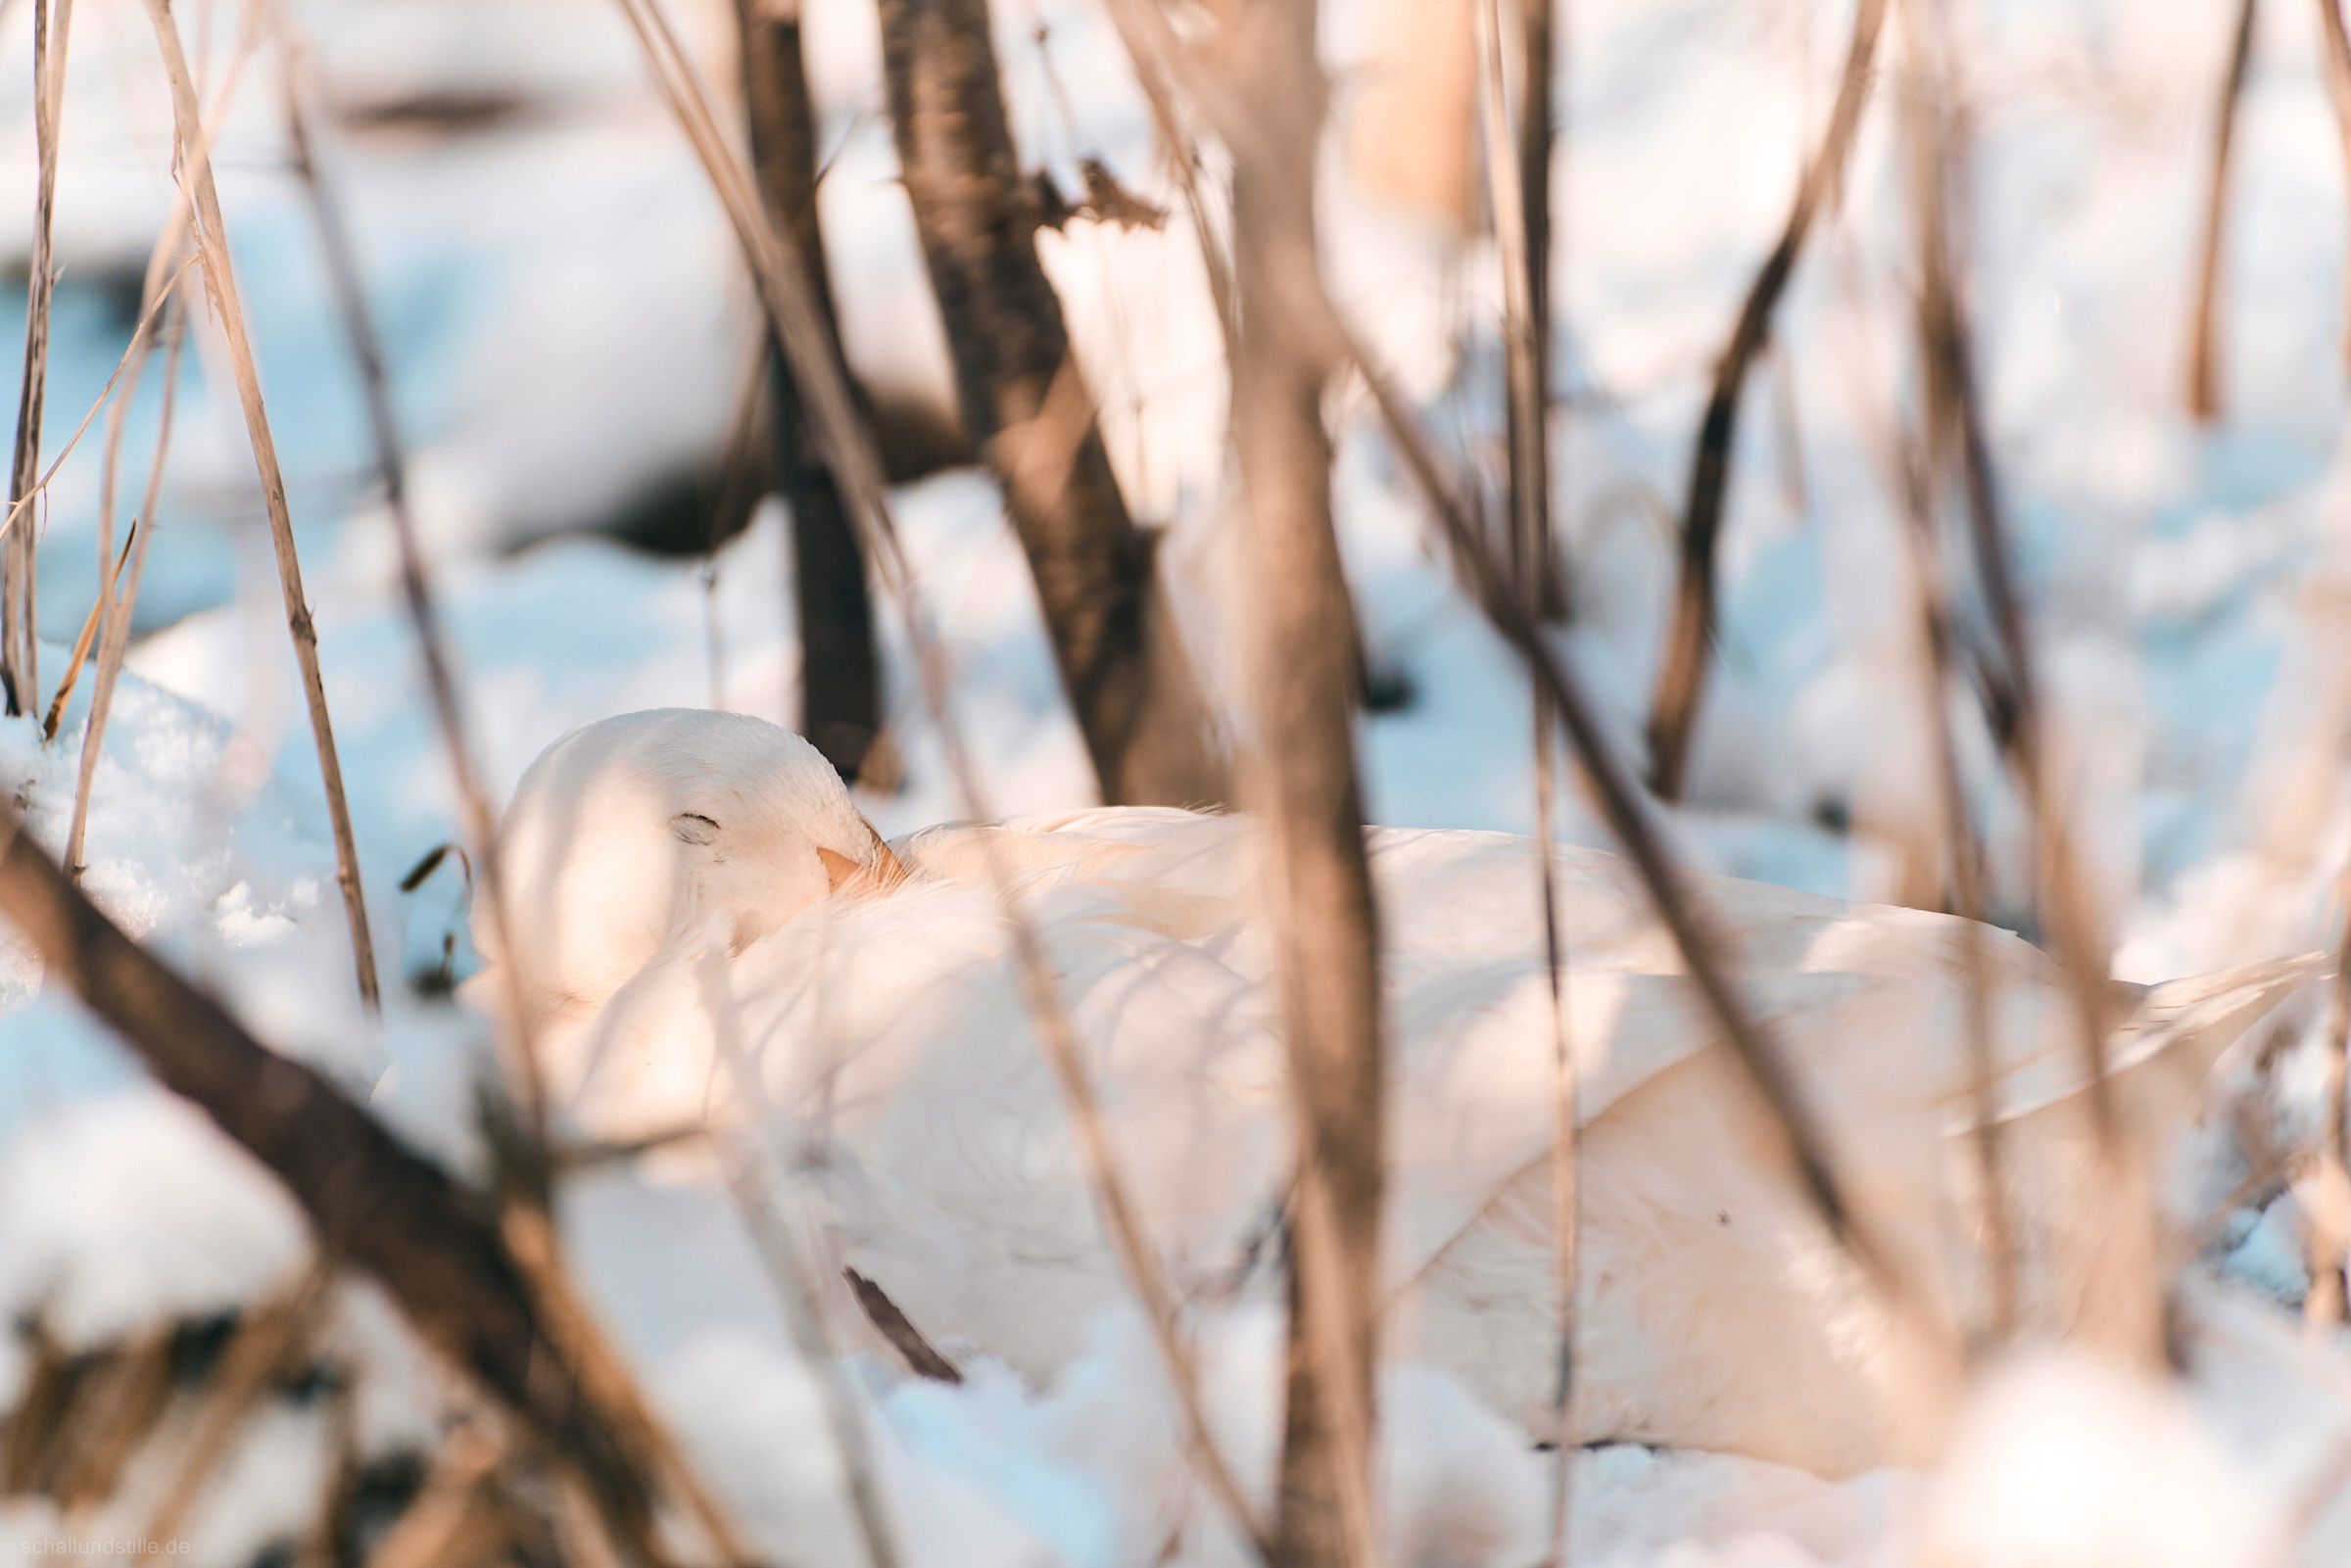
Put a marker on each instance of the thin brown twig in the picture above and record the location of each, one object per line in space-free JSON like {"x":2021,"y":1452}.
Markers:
{"x":1179,"y":151}
{"x":114,"y":639}
{"x":372,"y":1201}
{"x":272,"y":1332}
{"x":2326,"y":1302}
{"x":1519,"y":190}
{"x":2339,"y":91}
{"x":88,"y":636}
{"x":2128,"y":1300}
{"x":2204,"y":361}
{"x":19,"y":635}
{"x":1689,"y":644}
{"x":842,"y":438}
{"x":211,"y":239}
{"x":748,"y":1181}
{"x":1690,"y":925}
{"x":104,"y":400}
{"x":1963,"y":853}
{"x":1300,"y":767}
{"x":518,"y":1040}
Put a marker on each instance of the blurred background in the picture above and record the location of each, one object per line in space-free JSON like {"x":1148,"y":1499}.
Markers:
{"x":578,"y":365}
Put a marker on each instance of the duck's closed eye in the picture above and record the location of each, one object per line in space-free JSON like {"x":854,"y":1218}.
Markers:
{"x":693,"y":828}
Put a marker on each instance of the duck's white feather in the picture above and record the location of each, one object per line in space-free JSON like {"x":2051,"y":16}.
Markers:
{"x":884,"y":1037}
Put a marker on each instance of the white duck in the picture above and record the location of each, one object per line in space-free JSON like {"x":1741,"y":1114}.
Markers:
{"x":887,"y":1033}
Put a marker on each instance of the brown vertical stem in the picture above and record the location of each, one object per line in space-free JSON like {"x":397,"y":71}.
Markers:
{"x":1301,"y":777}
{"x":2126,"y":1305}
{"x":1524,"y":251}
{"x":2339,"y":91}
{"x":1533,"y":553}
{"x":785,"y":295}
{"x":1689,"y":644}
{"x":840,"y":706}
{"x":1966,"y":882}
{"x":370,"y":1201}
{"x":2203,"y":360}
{"x":20,"y":633}
{"x":1130,"y":684}
{"x":164,"y":274}
{"x":521,"y":1058}
{"x":121,"y":602}
{"x":212,"y":242}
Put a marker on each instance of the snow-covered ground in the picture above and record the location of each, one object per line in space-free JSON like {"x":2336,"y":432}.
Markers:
{"x":570,"y":329}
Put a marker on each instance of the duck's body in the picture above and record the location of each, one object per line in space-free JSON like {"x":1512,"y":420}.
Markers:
{"x":887,"y":1034}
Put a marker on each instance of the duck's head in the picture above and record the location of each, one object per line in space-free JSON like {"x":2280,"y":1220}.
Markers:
{"x":634,"y":830}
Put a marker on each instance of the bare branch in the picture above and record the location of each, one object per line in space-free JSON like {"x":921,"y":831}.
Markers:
{"x":841,"y":708}
{"x":2339,"y":91}
{"x":211,"y":241}
{"x":372,"y":1201}
{"x":115,"y":632}
{"x":842,"y":437}
{"x":1682,"y":670}
{"x":748,"y":1179}
{"x":1301,"y":781}
{"x":89,"y":633}
{"x":20,"y":635}
{"x":1128,"y":679}
{"x":1518,"y":189}
{"x":520,"y":1055}
{"x":2126,"y":1307}
{"x":2203,"y":362}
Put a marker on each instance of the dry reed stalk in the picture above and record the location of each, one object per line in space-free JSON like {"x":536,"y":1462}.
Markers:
{"x":272,"y":1332}
{"x":840,"y":675}
{"x":846,"y":444}
{"x":748,"y":1181}
{"x":1965,"y":870}
{"x":20,"y":635}
{"x":1519,"y":194}
{"x":606,"y":1385}
{"x":478,"y":1294}
{"x":89,"y":633}
{"x":1520,"y":208}
{"x":1177,"y":149}
{"x":446,"y":1508}
{"x":2324,"y":1303}
{"x":2338,"y":92}
{"x":1690,"y":925}
{"x":1300,"y":774}
{"x":518,"y":1050}
{"x":1689,"y":644}
{"x":212,"y":240}
{"x":98,"y":405}
{"x":1131,"y":685}
{"x":2203,"y":358}
{"x":2124,"y":1307}
{"x":114,"y":639}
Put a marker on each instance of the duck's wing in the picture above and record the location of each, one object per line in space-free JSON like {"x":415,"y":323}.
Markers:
{"x":1183,"y":873}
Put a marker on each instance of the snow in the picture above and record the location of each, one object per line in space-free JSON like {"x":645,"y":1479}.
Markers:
{"x":569,"y":328}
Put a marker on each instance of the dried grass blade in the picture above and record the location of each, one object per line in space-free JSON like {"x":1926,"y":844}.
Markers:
{"x":20,"y":637}
{"x":211,"y":238}
{"x":1689,"y":644}
{"x":519,"y":1052}
{"x":88,"y":636}
{"x":2204,"y":361}
{"x":846,"y":444}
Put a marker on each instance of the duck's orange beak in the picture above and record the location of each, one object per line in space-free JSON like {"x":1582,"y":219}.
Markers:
{"x":863,"y":879}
